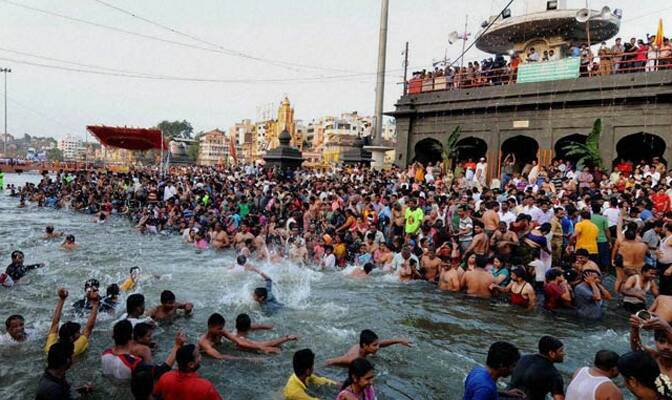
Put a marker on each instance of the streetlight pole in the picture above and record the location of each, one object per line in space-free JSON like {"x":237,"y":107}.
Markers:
{"x":4,"y":148}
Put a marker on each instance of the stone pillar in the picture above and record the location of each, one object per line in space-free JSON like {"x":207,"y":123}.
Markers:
{"x":402,"y":147}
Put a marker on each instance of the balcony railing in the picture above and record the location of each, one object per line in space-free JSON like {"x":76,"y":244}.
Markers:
{"x":569,"y":68}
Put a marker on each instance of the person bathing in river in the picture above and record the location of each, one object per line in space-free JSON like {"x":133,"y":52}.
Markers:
{"x":662,"y":307}
{"x":168,"y":308}
{"x":362,"y":272}
{"x":662,"y":334}
{"x":16,"y":270}
{"x":215,"y":335}
{"x":477,"y":282}
{"x":16,"y":331}
{"x":264,"y":295}
{"x":369,"y":344}
{"x":522,"y":293}
{"x":430,"y":265}
{"x":303,"y":364}
{"x":69,"y":243}
{"x":132,"y":280}
{"x":50,"y":233}
{"x":244,"y":326}
{"x":450,"y":276}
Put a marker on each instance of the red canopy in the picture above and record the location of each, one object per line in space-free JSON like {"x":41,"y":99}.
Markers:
{"x":128,"y":138}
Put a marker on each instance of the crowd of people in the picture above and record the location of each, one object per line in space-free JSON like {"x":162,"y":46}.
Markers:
{"x":635,"y":55}
{"x":538,"y":236}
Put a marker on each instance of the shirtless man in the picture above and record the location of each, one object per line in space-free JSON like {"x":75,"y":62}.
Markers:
{"x":430,"y":265}
{"x":50,"y":233}
{"x":168,"y":308}
{"x":69,"y":243}
{"x":214,"y":336}
{"x":503,"y":241}
{"x":141,"y":345}
{"x":480,"y":243}
{"x":368,"y":344}
{"x":409,"y":270}
{"x":628,"y":255}
{"x":218,"y":237}
{"x":362,"y":272}
{"x":491,"y":218}
{"x":242,"y":236}
{"x":662,"y":307}
{"x":450,"y":277}
{"x":583,"y":263}
{"x":478,"y":281}
{"x":244,"y":326}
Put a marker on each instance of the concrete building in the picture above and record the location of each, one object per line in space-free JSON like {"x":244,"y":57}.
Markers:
{"x":72,"y":147}
{"x":535,"y":121}
{"x":213,"y":148}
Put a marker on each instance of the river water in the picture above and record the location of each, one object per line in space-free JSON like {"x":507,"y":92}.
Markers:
{"x":451,"y":334}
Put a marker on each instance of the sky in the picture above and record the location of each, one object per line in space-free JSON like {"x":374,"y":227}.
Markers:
{"x":238,"y":57}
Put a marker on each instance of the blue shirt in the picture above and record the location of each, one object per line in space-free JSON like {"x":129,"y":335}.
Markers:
{"x":271,"y":305}
{"x":645,"y":215}
{"x":479,"y":385}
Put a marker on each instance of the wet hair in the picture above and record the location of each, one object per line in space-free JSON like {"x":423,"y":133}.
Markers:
{"x":368,"y":267}
{"x":113,"y":290}
{"x":17,"y":253}
{"x":243,"y":323}
{"x":606,"y":359}
{"x":13,"y":317}
{"x":142,"y":382}
{"x":70,"y":238}
{"x":91,"y":283}
{"x":519,"y":271}
{"x":141,"y":330}
{"x":366,"y":337}
{"x":644,"y":368}
{"x":553,"y":273}
{"x":134,"y":301}
{"x":648,"y":267}
{"x":122,"y":332}
{"x":502,"y":355}
{"x":303,"y":361}
{"x":241,"y":260}
{"x":134,"y":269}
{"x":261,"y":292}
{"x":49,"y":229}
{"x":481,"y":261}
{"x":358,"y":368}
{"x":167,"y":296}
{"x":60,"y":354}
{"x":216,"y":319}
{"x":548,"y":344}
{"x":184,"y":356}
{"x":630,"y":233}
{"x":67,"y":331}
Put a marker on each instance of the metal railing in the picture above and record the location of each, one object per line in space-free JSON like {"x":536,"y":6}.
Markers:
{"x":611,"y":64}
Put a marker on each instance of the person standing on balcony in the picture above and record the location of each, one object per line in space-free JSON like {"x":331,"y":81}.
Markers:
{"x":617,"y":51}
{"x":605,"y":60}
{"x":532,"y":56}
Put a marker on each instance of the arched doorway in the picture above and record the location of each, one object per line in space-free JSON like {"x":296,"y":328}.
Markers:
{"x":428,"y":150}
{"x":523,"y":148}
{"x":560,"y":151}
{"x":471,"y":148}
{"x":640,"y":147}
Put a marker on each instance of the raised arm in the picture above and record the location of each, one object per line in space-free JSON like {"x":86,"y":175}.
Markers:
{"x":180,"y":340}
{"x":56,"y":318}
{"x":91,"y":322}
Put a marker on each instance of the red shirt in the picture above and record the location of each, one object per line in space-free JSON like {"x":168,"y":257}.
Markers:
{"x":552,"y":293}
{"x":661,"y":202}
{"x":176,"y":385}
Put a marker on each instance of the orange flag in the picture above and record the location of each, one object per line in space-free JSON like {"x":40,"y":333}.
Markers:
{"x":659,"y":34}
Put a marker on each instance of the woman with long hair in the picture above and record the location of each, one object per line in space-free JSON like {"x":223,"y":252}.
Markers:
{"x":359,"y":384}
{"x":642,"y":377}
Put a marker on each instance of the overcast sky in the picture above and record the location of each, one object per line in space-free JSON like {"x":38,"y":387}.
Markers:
{"x":333,"y":43}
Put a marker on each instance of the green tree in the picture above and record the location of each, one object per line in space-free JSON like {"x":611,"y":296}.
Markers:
{"x":451,"y":150}
{"x":54,"y":155}
{"x":589,"y":153}
{"x":176,"y":129}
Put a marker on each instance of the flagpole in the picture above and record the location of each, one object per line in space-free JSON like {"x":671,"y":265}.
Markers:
{"x":464,"y":41}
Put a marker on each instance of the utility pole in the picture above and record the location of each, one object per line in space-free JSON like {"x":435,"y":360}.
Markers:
{"x":380,"y":82}
{"x":464,"y":41}
{"x":4,"y":148}
{"x":406,"y":69}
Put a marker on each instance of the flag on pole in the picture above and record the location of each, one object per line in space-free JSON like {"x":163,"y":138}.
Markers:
{"x":659,"y":34}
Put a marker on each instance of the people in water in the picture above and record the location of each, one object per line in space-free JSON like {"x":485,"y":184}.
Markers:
{"x":369,"y":344}
{"x":17,"y":270}
{"x":169,"y":307}
{"x":70,"y":332}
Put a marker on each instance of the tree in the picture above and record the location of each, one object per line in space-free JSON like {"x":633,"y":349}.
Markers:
{"x":451,"y":151}
{"x":589,"y":153}
{"x":54,"y":155}
{"x":176,"y":129}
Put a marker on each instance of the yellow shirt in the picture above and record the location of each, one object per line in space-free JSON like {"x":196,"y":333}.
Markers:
{"x":81,"y":344}
{"x":296,"y":390}
{"x":128,"y":284}
{"x":586,"y":236}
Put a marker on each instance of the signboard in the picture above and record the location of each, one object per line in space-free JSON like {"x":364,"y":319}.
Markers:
{"x":569,"y":68}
